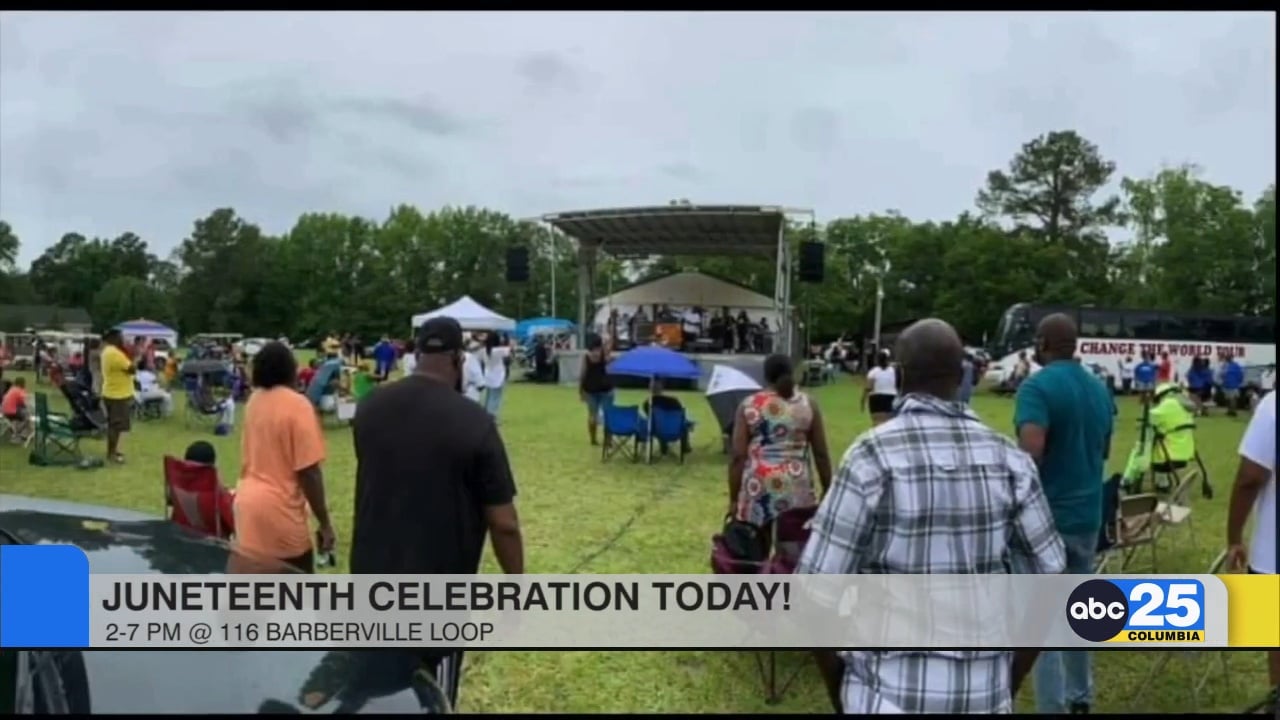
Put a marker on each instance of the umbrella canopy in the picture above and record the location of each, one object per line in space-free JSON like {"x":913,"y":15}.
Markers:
{"x":655,"y":362}
{"x":726,"y":390}
{"x":727,"y":379}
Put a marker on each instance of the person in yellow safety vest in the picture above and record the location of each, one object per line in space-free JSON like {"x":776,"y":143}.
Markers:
{"x":1174,"y":427}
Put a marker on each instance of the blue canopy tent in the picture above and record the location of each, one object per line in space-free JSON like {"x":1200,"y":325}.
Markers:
{"x":526,"y":328}
{"x":654,"y":363}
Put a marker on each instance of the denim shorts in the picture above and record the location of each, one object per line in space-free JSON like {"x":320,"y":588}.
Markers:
{"x":597,"y":402}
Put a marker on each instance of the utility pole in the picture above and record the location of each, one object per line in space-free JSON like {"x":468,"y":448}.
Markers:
{"x":551,"y":234}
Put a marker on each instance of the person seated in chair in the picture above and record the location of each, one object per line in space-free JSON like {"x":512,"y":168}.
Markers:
{"x":149,"y":391}
{"x":668,"y":404}
{"x":307,"y":374}
{"x":202,"y":453}
{"x":1174,"y":426}
{"x":13,"y":406}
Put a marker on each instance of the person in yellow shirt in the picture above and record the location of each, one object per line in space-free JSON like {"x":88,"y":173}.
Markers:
{"x":117,"y":391}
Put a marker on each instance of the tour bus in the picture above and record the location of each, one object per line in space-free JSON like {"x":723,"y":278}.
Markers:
{"x":1108,"y":336}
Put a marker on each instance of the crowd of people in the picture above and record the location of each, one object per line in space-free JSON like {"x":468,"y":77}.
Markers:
{"x":433,"y":484}
{"x":1030,"y":505}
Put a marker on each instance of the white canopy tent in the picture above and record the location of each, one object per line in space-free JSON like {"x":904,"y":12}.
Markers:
{"x":470,"y":314}
{"x":149,"y":329}
{"x":685,"y":290}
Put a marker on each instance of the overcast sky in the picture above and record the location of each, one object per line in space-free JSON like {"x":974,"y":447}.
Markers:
{"x":114,"y":122}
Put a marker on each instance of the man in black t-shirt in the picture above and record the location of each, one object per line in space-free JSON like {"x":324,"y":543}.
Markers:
{"x":432,"y":478}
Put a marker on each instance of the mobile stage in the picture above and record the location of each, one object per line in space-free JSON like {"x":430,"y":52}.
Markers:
{"x":688,"y":231}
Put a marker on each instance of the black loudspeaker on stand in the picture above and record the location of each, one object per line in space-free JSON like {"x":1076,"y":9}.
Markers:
{"x":812,"y":261}
{"x":518,"y":264}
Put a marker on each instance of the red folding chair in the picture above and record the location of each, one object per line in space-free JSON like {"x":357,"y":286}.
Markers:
{"x":194,"y":498}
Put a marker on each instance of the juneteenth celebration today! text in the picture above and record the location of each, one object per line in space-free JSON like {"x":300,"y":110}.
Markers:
{"x":415,"y":596}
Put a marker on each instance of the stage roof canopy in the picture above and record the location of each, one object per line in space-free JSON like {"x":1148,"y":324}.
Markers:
{"x":676,"y":229}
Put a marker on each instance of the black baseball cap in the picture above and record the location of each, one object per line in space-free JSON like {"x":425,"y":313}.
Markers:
{"x":439,"y":335}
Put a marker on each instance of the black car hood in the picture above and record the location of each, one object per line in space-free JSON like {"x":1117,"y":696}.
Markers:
{"x":208,"y":681}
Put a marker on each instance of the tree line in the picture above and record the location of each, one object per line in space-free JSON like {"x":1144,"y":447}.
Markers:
{"x":1038,"y":232}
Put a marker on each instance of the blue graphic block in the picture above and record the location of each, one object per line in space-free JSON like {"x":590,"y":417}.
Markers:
{"x":44,"y":596}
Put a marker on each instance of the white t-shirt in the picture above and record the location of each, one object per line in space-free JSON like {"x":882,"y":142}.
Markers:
{"x":1259,"y":445}
{"x":146,"y":381}
{"x":495,"y":366}
{"x":472,"y":376}
{"x":1126,"y":369}
{"x":884,"y":381}
{"x":409,"y":363}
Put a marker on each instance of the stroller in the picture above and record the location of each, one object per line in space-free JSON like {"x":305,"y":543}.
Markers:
{"x":87,"y":417}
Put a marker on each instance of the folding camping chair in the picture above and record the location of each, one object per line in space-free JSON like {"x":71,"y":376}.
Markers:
{"x":790,"y":533}
{"x":624,"y":430}
{"x":670,"y":427}
{"x":194,"y":498}
{"x":55,"y":442}
{"x":1136,"y":524}
{"x":201,"y":404}
{"x":9,"y":431}
{"x":1195,"y":657}
{"x":815,"y":373}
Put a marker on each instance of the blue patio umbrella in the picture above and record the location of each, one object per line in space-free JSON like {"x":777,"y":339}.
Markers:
{"x":655,"y":362}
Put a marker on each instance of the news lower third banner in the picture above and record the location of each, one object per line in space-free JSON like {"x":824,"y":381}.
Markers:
{"x":48,"y":598}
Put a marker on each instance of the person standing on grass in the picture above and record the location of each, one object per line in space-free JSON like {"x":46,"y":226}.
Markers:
{"x":496,"y":357}
{"x":1144,"y":377}
{"x":1232,"y":381}
{"x":117,"y":391}
{"x":1255,"y":492}
{"x":432,"y":480}
{"x":933,"y":460}
{"x":1164,"y":369}
{"x":776,"y":433}
{"x":594,"y":386}
{"x":1064,"y":418}
{"x":881,"y":390}
{"x":281,"y":450}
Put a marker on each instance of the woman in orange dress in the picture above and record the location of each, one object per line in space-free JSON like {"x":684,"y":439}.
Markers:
{"x":774,"y":434}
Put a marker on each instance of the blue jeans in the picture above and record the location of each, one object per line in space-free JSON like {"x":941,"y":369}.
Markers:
{"x":1066,"y":676}
{"x":493,"y":400}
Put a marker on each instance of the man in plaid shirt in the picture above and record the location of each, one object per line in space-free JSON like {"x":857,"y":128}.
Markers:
{"x":933,"y":490}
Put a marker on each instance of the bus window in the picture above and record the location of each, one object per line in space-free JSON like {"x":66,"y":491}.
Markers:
{"x":1218,"y":330}
{"x":1100,"y":323}
{"x":1015,"y":331}
{"x":1257,"y":330}
{"x":1141,"y":325}
{"x":1173,"y":327}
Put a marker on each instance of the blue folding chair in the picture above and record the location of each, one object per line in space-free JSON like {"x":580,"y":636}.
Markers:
{"x":672,"y":427}
{"x":624,"y":430}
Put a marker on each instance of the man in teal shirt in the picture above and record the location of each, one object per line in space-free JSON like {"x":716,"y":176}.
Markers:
{"x":1064,"y":418}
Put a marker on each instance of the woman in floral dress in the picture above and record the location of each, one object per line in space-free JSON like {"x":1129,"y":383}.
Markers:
{"x":775,"y":432}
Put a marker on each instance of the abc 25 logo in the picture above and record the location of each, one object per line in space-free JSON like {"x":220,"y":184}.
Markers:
{"x":1138,"y":611}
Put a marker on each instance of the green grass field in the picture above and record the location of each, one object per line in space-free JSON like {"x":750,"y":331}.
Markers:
{"x":580,"y":515}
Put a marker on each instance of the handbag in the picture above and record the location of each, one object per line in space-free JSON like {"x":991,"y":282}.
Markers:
{"x":738,"y":549}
